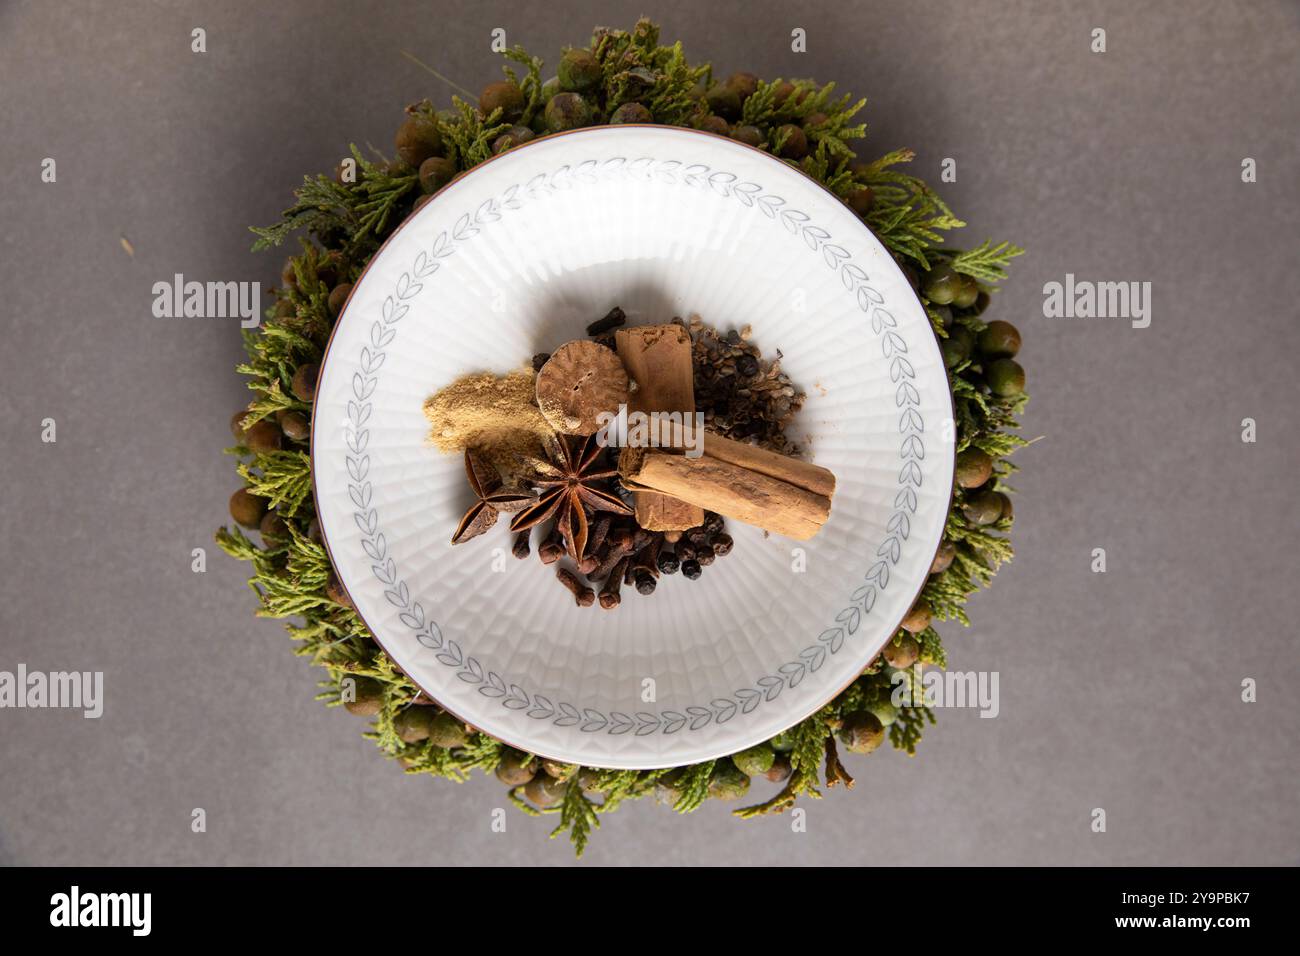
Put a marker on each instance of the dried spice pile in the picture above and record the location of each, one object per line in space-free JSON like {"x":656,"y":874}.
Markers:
{"x":620,"y":76}
{"x":742,"y":396}
{"x":567,"y":490}
{"x":491,"y":412}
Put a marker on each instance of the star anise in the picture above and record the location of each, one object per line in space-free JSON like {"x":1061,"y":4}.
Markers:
{"x":567,"y":486}
{"x":491,"y":499}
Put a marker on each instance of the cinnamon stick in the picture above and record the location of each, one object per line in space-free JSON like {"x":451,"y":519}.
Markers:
{"x":803,"y":474}
{"x":750,"y":484}
{"x":658,"y":357}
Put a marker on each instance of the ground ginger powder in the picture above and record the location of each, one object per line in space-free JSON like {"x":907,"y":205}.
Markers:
{"x":496,"y":415}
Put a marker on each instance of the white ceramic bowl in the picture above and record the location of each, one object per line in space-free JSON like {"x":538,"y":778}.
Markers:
{"x":517,"y":257}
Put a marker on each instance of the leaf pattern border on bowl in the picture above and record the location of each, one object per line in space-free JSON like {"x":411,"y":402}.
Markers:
{"x":744,"y":700}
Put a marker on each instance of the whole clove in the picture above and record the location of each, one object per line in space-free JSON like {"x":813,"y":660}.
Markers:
{"x":647,"y":559}
{"x":583,"y":596}
{"x":599,"y":531}
{"x":609,"y":592}
{"x":611,"y":321}
{"x":552,"y":549}
{"x":622,"y":537}
{"x":612,"y":560}
{"x":522,"y":546}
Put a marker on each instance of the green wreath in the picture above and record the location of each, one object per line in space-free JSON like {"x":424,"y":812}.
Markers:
{"x":622,"y":76}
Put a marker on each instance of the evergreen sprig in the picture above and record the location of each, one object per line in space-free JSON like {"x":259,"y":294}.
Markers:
{"x":283,"y":478}
{"x":577,"y":816}
{"x":908,"y":216}
{"x":693,"y":786}
{"x":342,"y":221}
{"x":987,"y":261}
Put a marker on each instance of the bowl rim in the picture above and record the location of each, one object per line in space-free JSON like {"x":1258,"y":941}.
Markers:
{"x":949,"y":449}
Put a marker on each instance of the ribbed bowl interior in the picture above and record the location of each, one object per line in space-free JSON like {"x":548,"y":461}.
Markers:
{"x":518,"y":257}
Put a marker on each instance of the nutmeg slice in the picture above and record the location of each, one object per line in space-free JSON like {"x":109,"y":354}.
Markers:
{"x":580,"y":380}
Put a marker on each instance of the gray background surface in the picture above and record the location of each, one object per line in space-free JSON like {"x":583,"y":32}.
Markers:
{"x":1118,"y":691}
